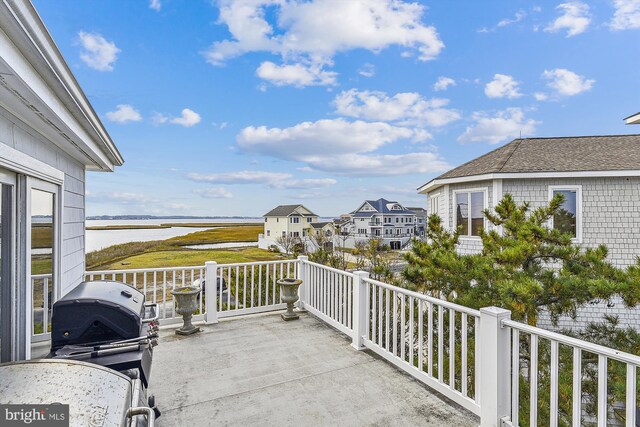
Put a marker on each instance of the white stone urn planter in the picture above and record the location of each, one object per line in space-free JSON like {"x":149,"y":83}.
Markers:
{"x":186,"y":298}
{"x":289,"y":288}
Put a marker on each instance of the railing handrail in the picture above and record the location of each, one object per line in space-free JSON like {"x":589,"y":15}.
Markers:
{"x":141,"y":270}
{"x":242,"y":264}
{"x":41,"y":276}
{"x":417,"y":295}
{"x":610,"y":353}
{"x":332,"y":269}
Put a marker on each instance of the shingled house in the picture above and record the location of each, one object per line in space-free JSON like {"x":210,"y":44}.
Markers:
{"x":598,"y":175}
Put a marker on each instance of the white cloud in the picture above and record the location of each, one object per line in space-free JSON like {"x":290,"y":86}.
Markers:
{"x":407,"y":108}
{"x":124,"y":113}
{"x":187,"y":118}
{"x":519,"y":16}
{"x":310,"y":33}
{"x":155,"y":5}
{"x":626,"y":16}
{"x":567,"y":83}
{"x":502,"y":86}
{"x":140,"y":202}
{"x":214,"y":193}
{"x":539,"y":96}
{"x":341,"y":147}
{"x":506,"y":124}
{"x":270,"y":179}
{"x":575,"y":18}
{"x":295,"y":75}
{"x":443,"y":83}
{"x":307,"y":140}
{"x":367,"y":70}
{"x":97,"y":52}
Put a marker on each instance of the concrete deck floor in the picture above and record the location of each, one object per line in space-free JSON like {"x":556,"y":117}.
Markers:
{"x":259,"y":370}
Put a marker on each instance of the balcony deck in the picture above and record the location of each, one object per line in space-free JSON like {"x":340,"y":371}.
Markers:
{"x":260,"y":370}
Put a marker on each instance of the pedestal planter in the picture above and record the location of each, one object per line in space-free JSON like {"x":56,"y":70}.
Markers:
{"x":289,"y":287}
{"x":186,"y":304}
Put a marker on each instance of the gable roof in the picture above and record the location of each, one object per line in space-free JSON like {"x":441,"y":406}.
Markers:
{"x":286,"y":210}
{"x":560,"y":154}
{"x":381,"y":206}
{"x":320,"y":224}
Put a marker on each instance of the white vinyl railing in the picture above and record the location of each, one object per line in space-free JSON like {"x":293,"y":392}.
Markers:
{"x":569,"y":363}
{"x":431,"y":339}
{"x":328,"y":294}
{"x":497,"y":368}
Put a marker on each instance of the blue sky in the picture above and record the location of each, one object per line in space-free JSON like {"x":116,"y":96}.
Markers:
{"x":232,"y":107}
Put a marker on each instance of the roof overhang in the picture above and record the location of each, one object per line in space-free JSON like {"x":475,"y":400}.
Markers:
{"x":634,"y":119}
{"x":38,"y":88}
{"x":437,"y":183}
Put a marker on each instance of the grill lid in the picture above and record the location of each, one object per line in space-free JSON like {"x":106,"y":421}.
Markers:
{"x":109,"y":291}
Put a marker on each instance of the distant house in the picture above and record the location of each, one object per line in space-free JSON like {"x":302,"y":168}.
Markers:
{"x":286,"y":220}
{"x":421,"y":221}
{"x":50,"y":136}
{"x":382,"y":219}
{"x":598,"y":175}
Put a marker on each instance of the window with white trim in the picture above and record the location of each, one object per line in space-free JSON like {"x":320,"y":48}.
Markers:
{"x":434,"y":202}
{"x":469,"y":216}
{"x":568,"y":219}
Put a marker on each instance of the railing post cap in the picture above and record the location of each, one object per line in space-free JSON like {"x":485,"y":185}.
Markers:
{"x":303,"y":258}
{"x":496,"y":312}
{"x":361,"y":273}
{"x":211,"y":263}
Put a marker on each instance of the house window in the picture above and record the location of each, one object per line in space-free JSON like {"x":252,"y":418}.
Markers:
{"x":309,"y":219}
{"x":568,"y":218}
{"x":397,"y":220}
{"x":295,"y":234}
{"x":284,"y":234}
{"x":295,"y":219}
{"x":469,"y":212}
{"x":268,"y":233}
{"x":266,"y":220}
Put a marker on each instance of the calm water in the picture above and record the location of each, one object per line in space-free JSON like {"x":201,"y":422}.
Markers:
{"x":98,"y":239}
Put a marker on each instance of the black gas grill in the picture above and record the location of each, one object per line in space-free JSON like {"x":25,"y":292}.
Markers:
{"x":107,"y":323}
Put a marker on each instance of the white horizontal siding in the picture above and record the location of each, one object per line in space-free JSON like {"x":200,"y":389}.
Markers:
{"x":19,"y":136}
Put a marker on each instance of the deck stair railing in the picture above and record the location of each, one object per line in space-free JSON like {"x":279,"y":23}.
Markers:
{"x":506,"y":372}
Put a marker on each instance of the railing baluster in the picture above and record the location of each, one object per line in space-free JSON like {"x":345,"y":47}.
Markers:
{"x":387,"y":320}
{"x":452,"y":348}
{"x":403,"y":326}
{"x":463,"y":354}
{"x":349,"y":301}
{"x":380,"y":316}
{"x":440,"y":343}
{"x":411,"y":331}
{"x":631,"y":395}
{"x":577,"y":388}
{"x":395,"y":323}
{"x":237,"y":295}
{"x":533,"y":382}
{"x":553,"y":404}
{"x":602,"y":391}
{"x":430,"y":339}
{"x":260,"y":285}
{"x":515,"y":375}
{"x":164,"y":294}
{"x":229,"y":287}
{"x":244,"y":287}
{"x":374,"y":313}
{"x":476,"y":358}
{"x":45,"y":305}
{"x":420,"y":335}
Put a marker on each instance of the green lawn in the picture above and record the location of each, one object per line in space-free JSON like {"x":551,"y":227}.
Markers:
{"x":180,"y":258}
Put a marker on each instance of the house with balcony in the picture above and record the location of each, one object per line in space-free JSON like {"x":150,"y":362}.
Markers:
{"x":599,"y":177}
{"x":388,"y":221}
{"x":50,"y":137}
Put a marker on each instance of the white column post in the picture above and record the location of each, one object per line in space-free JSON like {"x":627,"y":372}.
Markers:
{"x":302,"y":275}
{"x":495,"y":362}
{"x":360,"y":315}
{"x":211,"y":292}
